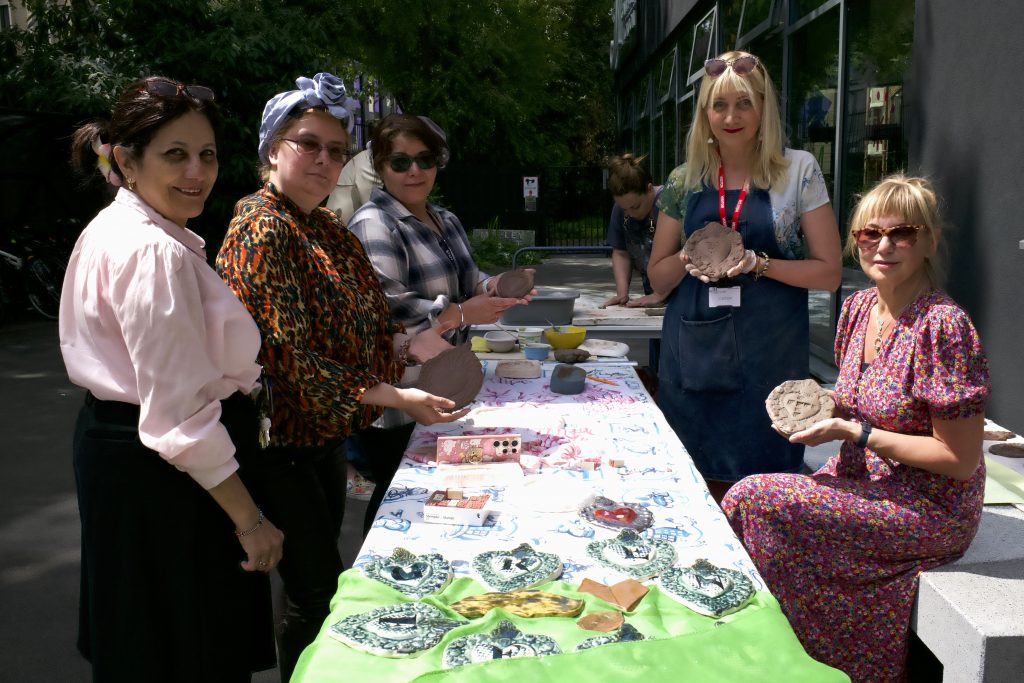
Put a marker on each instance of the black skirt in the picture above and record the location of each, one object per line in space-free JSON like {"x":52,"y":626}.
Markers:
{"x":163,"y":597}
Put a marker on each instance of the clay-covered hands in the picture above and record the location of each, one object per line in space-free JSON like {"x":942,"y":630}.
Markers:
{"x":748,"y":263}
{"x":653,"y":299}
{"x":428,"y":409}
{"x":617,"y":300}
{"x":832,"y":429}
{"x":693,"y":270}
{"x":428,"y":343}
{"x":484,"y":309}
{"x":263,"y":547}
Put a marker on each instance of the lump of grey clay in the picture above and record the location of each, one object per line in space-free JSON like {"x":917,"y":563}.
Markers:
{"x":571,"y":355}
{"x":795,"y":405}
{"x":714,"y":249}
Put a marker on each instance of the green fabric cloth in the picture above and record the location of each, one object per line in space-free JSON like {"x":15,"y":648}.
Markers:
{"x":754,"y":643}
{"x":1002,"y":485}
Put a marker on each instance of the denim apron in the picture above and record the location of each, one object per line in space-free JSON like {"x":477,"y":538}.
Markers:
{"x":718,"y":364}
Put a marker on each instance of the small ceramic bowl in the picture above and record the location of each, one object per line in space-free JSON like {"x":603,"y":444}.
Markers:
{"x":500,"y":341}
{"x":528,"y":335}
{"x":536,"y":351}
{"x":567,"y":337}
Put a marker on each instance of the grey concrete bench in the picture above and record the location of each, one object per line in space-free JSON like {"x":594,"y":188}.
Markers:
{"x":970,"y":613}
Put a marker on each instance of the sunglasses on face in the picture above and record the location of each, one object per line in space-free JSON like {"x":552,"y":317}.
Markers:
{"x":337,"y":153}
{"x":161,"y":87}
{"x":400,"y":163}
{"x":902,"y":235}
{"x":740,"y":65}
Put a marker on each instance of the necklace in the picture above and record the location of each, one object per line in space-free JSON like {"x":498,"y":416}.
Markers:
{"x":879,"y":329}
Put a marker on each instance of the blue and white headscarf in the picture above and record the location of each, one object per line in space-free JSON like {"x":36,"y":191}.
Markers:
{"x":323,"y":90}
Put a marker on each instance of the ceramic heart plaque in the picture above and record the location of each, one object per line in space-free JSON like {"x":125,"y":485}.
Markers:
{"x":611,"y":515}
{"x":625,"y":634}
{"x":504,"y":642}
{"x":412,"y":575}
{"x":401,"y":630}
{"x":522,"y":567}
{"x":631,"y":554}
{"x":707,"y":589}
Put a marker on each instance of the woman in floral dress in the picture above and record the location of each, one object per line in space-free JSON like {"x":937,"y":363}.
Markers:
{"x":842,"y":549}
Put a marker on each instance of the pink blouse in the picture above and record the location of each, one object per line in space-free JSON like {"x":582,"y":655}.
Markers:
{"x":145,"y":320}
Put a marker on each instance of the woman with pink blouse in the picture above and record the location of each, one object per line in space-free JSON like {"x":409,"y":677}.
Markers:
{"x":175,"y":552}
{"x":842,"y":549}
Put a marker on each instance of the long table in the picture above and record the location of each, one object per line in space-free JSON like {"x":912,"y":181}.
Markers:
{"x":575,"y":436}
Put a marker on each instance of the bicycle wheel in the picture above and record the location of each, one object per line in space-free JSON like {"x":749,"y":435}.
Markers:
{"x":44,"y":277}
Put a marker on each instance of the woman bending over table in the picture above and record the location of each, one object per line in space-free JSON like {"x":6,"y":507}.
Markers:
{"x":727,"y":344}
{"x":329,"y":345}
{"x":842,"y":549}
{"x":174,"y":550}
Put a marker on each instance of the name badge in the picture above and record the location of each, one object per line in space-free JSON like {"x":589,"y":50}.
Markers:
{"x":723,"y":296}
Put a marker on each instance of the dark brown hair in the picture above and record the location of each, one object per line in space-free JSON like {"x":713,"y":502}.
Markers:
{"x":627,"y":173}
{"x":134,"y":121}
{"x":393,"y":125}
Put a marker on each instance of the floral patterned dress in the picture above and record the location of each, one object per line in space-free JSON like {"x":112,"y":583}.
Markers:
{"x":842,"y":549}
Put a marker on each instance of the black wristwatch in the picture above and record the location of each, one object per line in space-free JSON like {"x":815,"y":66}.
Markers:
{"x":865,"y":432}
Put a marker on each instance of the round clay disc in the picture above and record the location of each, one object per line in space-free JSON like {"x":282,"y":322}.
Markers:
{"x":515,"y":284}
{"x":1008,"y":450}
{"x":714,"y":249}
{"x":797,"y":404}
{"x":455,"y":374}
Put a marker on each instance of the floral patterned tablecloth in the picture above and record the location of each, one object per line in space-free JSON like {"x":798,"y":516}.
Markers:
{"x":568,"y":435}
{"x":617,"y":420}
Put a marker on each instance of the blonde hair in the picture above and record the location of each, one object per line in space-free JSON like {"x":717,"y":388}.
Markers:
{"x":912,"y":199}
{"x":702,"y":158}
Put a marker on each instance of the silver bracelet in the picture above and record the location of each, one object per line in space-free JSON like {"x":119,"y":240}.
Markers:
{"x":462,"y":316}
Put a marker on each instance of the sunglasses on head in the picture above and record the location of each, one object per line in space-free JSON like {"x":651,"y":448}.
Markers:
{"x":902,"y":235}
{"x":337,"y":153}
{"x":740,"y":65}
{"x":400,"y":163}
{"x":161,"y":87}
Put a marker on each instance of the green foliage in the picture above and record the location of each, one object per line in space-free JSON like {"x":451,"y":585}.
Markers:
{"x":493,"y":253}
{"x":518,"y":81}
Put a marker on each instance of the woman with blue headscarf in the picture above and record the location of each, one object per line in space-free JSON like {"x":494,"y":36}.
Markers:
{"x":329,"y":346}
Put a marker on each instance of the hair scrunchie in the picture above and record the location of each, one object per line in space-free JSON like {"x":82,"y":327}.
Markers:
{"x":103,"y":164}
{"x":323,"y":90}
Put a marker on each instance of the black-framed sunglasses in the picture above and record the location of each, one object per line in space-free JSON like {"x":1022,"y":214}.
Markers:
{"x":400,"y":163}
{"x":742,"y":65}
{"x":337,"y":153}
{"x":161,"y":87}
{"x":902,"y":235}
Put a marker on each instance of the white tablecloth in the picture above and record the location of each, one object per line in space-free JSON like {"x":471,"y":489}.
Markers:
{"x":605,"y":421}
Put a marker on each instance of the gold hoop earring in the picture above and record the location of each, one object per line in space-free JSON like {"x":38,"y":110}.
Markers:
{"x":130,"y":182}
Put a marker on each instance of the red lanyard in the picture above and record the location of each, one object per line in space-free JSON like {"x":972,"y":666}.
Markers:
{"x":739,"y":202}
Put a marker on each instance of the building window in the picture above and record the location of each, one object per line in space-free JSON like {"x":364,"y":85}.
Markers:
{"x":5,"y":17}
{"x":703,"y":45}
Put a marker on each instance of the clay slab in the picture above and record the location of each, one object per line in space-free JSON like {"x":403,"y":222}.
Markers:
{"x":518,"y":369}
{"x":609,"y":514}
{"x":714,"y":249}
{"x":625,"y":634}
{"x":455,"y":374}
{"x":515,"y":284}
{"x":795,"y":405}
{"x":525,"y":603}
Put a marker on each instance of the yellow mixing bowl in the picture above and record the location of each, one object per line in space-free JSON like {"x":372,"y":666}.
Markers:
{"x":567,"y":337}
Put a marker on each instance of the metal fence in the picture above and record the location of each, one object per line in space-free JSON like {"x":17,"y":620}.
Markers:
{"x":572,"y":204}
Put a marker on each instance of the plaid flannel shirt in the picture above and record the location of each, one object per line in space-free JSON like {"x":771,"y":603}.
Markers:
{"x":419,"y":280}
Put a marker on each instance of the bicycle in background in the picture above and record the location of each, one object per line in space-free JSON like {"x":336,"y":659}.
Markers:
{"x":31,"y":271}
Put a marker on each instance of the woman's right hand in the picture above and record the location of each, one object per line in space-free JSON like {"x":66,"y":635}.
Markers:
{"x":264,"y":547}
{"x":428,"y":409}
{"x":484,"y":309}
